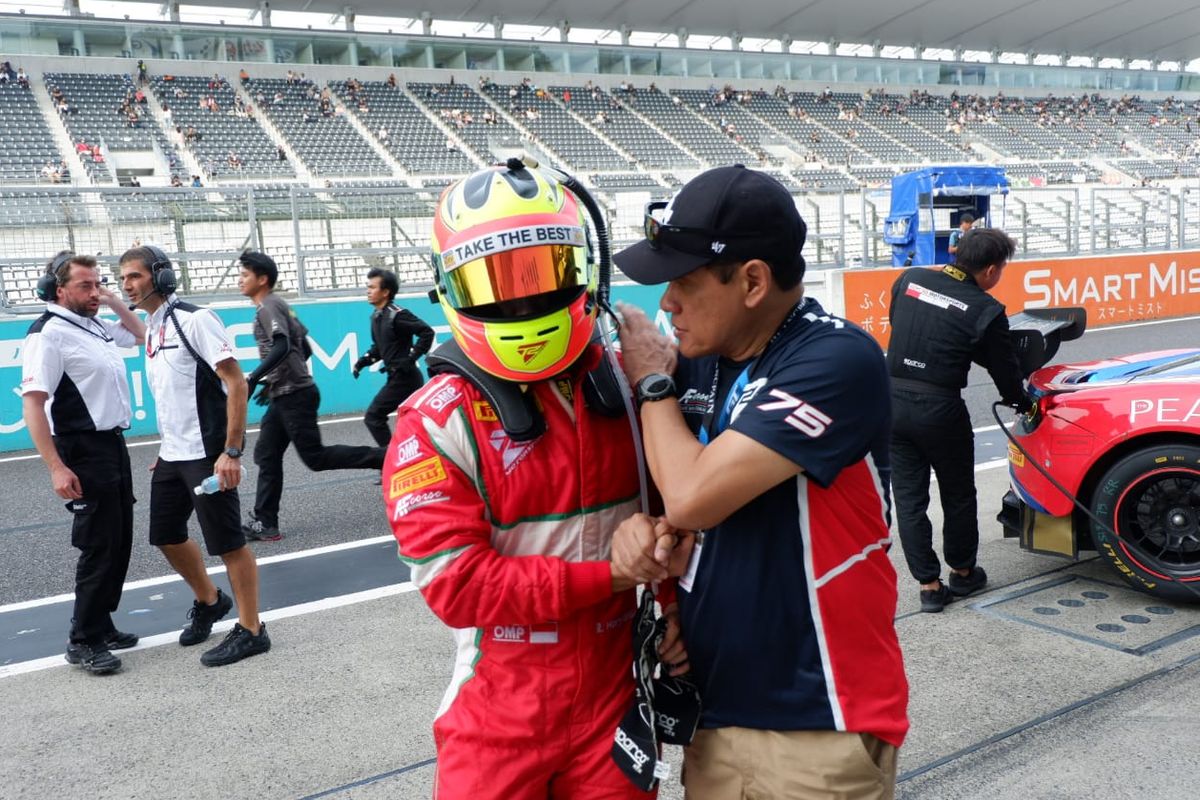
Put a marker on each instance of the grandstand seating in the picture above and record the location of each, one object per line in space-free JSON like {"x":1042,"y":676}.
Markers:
{"x":222,"y":132}
{"x":555,"y":127}
{"x":689,"y":129}
{"x":1056,"y":152}
{"x":28,"y":144}
{"x":411,"y":137}
{"x":326,"y":143}
{"x":455,"y":104}
{"x":95,"y":118}
{"x":631,"y":133}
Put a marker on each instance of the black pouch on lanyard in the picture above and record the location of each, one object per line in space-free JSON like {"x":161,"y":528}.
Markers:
{"x":644,"y":726}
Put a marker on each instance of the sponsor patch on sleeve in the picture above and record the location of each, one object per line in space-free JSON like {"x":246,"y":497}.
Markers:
{"x":484,"y":411}
{"x":418,"y":476}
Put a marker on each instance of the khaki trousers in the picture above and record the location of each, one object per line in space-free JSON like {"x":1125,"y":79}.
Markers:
{"x":749,"y":764}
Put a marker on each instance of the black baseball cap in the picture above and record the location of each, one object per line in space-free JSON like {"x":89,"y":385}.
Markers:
{"x":724,"y":214}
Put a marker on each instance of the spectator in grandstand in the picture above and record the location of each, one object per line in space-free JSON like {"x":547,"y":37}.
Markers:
{"x":142,"y":72}
{"x":554,"y":612}
{"x":965,"y":221}
{"x":6,"y":73}
{"x":398,"y":339}
{"x":22,"y":78}
{"x":782,"y":461}
{"x":942,"y":321}
{"x":234,"y":160}
{"x":196,"y":184}
{"x":383,"y":134}
{"x":175,"y":181}
{"x":200,"y":392}
{"x":291,"y":398}
{"x":391,"y":80}
{"x":281,"y":153}
{"x":243,"y":75}
{"x":75,"y":402}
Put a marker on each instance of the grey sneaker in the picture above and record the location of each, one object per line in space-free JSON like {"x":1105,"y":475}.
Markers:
{"x":255,"y":531}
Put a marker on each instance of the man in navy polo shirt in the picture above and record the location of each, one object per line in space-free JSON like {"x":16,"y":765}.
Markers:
{"x":772,"y":444}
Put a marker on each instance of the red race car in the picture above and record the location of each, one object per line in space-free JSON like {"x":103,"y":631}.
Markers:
{"x":1122,"y":436}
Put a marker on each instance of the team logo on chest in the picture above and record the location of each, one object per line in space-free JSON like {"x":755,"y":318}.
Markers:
{"x":511,"y":453}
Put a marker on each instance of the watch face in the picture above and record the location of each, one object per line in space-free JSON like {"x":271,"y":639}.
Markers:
{"x":657,"y":384}
{"x":233,"y":452}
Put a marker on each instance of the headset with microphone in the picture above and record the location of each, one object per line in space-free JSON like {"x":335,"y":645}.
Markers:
{"x":57,"y":274}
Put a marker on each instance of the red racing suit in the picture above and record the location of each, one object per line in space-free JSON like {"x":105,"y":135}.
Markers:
{"x":508,"y":543}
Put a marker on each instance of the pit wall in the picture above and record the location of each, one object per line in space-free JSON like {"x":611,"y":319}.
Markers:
{"x":1114,"y":290}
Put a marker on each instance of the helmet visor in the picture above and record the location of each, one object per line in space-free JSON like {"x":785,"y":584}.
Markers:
{"x":516,"y":275}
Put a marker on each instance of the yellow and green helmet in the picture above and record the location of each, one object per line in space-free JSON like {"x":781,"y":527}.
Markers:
{"x":514,"y":272}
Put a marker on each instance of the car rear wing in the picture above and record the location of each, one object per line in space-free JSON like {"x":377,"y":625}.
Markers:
{"x":1037,"y":333}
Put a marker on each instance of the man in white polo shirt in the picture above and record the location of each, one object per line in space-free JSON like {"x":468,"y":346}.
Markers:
{"x":76,"y":406}
{"x":200,"y":394}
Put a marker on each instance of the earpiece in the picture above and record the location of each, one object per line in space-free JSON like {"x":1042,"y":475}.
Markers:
{"x":162,"y":272}
{"x":48,"y":283}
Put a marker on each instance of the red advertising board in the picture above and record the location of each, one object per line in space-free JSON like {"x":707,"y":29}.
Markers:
{"x":1113,"y":289}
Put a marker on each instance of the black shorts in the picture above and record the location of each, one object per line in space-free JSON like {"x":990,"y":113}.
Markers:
{"x":172,"y":498}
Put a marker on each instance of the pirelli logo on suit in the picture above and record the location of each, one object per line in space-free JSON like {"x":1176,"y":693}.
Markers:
{"x":419,"y":475}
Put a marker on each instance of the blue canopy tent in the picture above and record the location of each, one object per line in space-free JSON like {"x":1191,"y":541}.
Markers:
{"x":927,"y":205}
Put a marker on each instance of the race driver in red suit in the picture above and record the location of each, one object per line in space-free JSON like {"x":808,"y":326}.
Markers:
{"x":508,"y":539}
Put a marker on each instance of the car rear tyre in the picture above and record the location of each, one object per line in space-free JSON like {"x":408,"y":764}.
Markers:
{"x":1151,"y":500}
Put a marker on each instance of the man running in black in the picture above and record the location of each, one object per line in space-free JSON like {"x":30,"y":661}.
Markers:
{"x":291,"y":397}
{"x":393,"y":330}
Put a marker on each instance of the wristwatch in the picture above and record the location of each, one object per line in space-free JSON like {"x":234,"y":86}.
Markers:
{"x":233,"y":452}
{"x":655,"y":386}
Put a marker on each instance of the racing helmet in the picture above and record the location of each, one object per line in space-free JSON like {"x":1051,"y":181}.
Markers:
{"x":514,"y":272}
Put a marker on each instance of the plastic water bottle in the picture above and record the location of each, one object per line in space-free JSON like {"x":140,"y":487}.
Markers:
{"x":212,"y":484}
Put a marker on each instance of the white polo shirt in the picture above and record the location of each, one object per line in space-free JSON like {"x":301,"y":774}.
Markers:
{"x":77,"y":362}
{"x":190,"y":407}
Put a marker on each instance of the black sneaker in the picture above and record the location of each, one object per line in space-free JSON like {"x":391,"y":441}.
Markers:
{"x":239,"y":643}
{"x":202,"y":617}
{"x":96,"y":660}
{"x":934,"y":600}
{"x":962,"y":586}
{"x":118,"y":640}
{"x":255,"y":531}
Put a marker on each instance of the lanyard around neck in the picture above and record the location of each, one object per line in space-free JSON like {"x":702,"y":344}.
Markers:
{"x":739,"y":385}
{"x":101,"y":334}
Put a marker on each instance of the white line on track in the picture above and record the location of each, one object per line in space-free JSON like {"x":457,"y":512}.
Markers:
{"x":217,"y":570}
{"x":172,"y":637}
{"x":148,"y":442}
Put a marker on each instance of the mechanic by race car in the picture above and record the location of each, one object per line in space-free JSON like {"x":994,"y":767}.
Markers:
{"x":504,"y":482}
{"x":942,"y":321}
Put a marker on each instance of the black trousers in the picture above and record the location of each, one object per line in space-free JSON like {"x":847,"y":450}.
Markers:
{"x":292,"y":419}
{"x":102,"y":529}
{"x":400,"y":384}
{"x":934,"y":432}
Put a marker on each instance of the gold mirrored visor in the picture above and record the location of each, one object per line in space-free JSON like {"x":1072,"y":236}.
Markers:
{"x":517,"y":273}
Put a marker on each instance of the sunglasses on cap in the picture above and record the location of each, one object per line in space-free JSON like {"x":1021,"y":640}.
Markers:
{"x":697,"y":241}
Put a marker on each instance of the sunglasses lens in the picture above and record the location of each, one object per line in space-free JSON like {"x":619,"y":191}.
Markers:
{"x":650,"y":227}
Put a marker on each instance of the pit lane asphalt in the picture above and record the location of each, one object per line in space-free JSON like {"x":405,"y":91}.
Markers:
{"x":343,"y":704}
{"x":320,"y":510}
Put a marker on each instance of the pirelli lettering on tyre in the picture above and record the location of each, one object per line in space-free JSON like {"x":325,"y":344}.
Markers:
{"x":418,"y":476}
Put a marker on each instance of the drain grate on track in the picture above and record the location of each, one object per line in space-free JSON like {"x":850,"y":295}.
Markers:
{"x":1098,"y":613}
